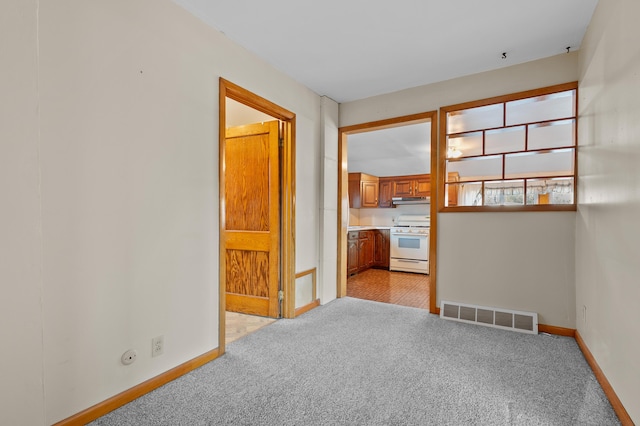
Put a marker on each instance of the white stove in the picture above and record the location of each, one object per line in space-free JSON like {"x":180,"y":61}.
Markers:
{"x":410,"y":244}
{"x":413,"y":221}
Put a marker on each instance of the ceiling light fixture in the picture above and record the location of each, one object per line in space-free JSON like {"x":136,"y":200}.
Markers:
{"x":453,"y":152}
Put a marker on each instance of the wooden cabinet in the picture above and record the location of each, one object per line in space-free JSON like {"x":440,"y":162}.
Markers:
{"x":452,"y":190}
{"x":368,"y":194}
{"x":366,"y":249}
{"x":381,"y":246}
{"x":352,"y":253}
{"x":411,"y":186}
{"x":385,"y":188}
{"x":422,"y":186}
{"x":402,"y":188}
{"x":367,"y":191}
{"x":363,"y":190}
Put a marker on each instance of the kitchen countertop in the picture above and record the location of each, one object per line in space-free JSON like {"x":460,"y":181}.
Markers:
{"x":366,"y":228}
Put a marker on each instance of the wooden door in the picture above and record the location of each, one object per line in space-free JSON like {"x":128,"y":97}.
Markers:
{"x":251,"y":222}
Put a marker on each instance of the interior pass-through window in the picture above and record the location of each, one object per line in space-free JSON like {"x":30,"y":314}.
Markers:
{"x":513,"y":152}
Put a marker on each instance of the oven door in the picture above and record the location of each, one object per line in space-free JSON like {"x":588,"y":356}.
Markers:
{"x":409,"y":246}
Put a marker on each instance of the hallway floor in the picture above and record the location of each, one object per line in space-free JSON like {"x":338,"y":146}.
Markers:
{"x":398,"y":288}
{"x":239,"y":325}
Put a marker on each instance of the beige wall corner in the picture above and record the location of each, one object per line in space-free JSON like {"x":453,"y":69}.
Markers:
{"x":607,"y":230}
{"x":21,"y":326}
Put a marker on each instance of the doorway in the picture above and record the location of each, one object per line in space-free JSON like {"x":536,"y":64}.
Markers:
{"x":257,"y":216}
{"x":343,"y":193}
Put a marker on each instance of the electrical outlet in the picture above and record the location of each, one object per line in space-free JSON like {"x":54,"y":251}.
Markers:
{"x":129,"y":357}
{"x":157,"y":346}
{"x":584,"y":313}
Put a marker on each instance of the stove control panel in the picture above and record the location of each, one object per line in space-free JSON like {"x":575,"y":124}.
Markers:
{"x":411,"y":230}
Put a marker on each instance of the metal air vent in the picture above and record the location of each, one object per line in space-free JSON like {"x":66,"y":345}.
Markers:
{"x":524,"y":322}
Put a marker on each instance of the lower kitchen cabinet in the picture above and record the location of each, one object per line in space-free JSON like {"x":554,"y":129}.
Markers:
{"x":381,"y":245}
{"x":352,"y":254}
{"x":366,"y":249}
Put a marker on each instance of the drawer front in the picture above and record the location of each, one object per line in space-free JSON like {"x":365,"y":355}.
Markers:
{"x":353,"y":235}
{"x":365,"y":235}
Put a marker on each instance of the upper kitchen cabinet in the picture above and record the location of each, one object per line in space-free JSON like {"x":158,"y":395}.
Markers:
{"x":452,"y":189}
{"x":385,"y":192}
{"x":412,"y":186}
{"x":363,"y":190}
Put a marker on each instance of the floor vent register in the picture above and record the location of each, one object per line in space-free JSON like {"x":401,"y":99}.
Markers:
{"x":506,"y":319}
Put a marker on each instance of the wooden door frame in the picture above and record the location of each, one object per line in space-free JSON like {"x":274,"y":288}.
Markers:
{"x":230,"y":90}
{"x":343,"y":194}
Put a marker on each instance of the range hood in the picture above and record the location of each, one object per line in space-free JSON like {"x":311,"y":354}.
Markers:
{"x":411,"y":200}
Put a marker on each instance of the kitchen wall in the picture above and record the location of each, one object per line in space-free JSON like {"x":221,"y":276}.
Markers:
{"x":493,"y":246}
{"x":607,"y":231}
{"x":110,"y":194}
{"x":385,"y":216}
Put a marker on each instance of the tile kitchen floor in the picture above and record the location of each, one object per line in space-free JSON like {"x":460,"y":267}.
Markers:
{"x":398,"y":288}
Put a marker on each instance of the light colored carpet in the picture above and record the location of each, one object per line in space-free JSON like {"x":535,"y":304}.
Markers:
{"x":356,"y":362}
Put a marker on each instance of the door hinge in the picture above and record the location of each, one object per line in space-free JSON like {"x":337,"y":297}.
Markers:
{"x":281,"y":142}
{"x":281,"y":295}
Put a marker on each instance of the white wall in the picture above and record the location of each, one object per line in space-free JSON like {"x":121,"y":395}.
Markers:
{"x":307,"y":214}
{"x":607,"y":229}
{"x":21,"y":373}
{"x":328,"y":271}
{"x":531,"y":75}
{"x":126,"y":230}
{"x":521,"y":261}
{"x":478,"y":240}
{"x":384,"y":216}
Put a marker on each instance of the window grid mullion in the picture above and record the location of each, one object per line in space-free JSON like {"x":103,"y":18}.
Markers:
{"x":530,"y":123}
{"x":484,"y":138}
{"x":526,"y":178}
{"x":504,"y":115}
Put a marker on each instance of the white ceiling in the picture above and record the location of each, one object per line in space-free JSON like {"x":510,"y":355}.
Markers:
{"x":353,"y":49}
{"x":397,"y":151}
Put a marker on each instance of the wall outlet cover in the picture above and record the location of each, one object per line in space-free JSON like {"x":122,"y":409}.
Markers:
{"x":157,"y":346}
